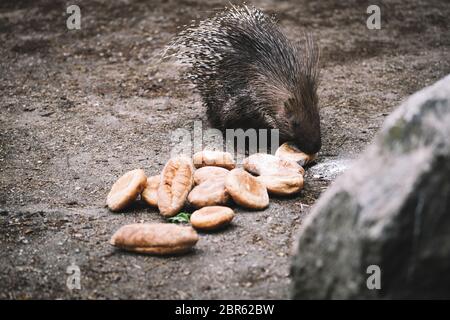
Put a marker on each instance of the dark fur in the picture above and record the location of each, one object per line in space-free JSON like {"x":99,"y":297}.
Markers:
{"x":251,"y":76}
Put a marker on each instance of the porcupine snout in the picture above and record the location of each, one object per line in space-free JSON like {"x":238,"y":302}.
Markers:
{"x":304,"y":125}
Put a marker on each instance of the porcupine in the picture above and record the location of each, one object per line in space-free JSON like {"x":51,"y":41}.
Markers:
{"x":250,"y":75}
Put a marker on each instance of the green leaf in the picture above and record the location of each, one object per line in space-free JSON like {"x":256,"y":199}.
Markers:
{"x":182,"y":217}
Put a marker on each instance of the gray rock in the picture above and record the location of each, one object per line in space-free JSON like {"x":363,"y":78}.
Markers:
{"x":390,"y":209}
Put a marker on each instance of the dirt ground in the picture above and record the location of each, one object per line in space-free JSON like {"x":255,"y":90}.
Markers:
{"x":79,"y":108}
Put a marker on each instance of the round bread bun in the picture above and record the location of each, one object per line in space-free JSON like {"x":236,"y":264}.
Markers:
{"x":267,"y":164}
{"x":209,"y":193}
{"x":246,"y":190}
{"x":150,"y":192}
{"x":210,"y":173}
{"x":155,"y":238}
{"x":288,"y":151}
{"x":211,"y":218}
{"x":126,"y":189}
{"x":282,"y":185}
{"x":177,"y":179}
{"x":214,"y":158}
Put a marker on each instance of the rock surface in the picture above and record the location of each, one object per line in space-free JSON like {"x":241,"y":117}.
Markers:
{"x":391,"y":209}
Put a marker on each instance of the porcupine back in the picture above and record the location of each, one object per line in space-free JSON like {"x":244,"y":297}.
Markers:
{"x":251,"y":76}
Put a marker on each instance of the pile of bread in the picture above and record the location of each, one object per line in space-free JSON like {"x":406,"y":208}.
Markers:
{"x":209,"y":182}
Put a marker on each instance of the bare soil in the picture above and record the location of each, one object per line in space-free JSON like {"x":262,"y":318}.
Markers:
{"x":79,"y":108}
